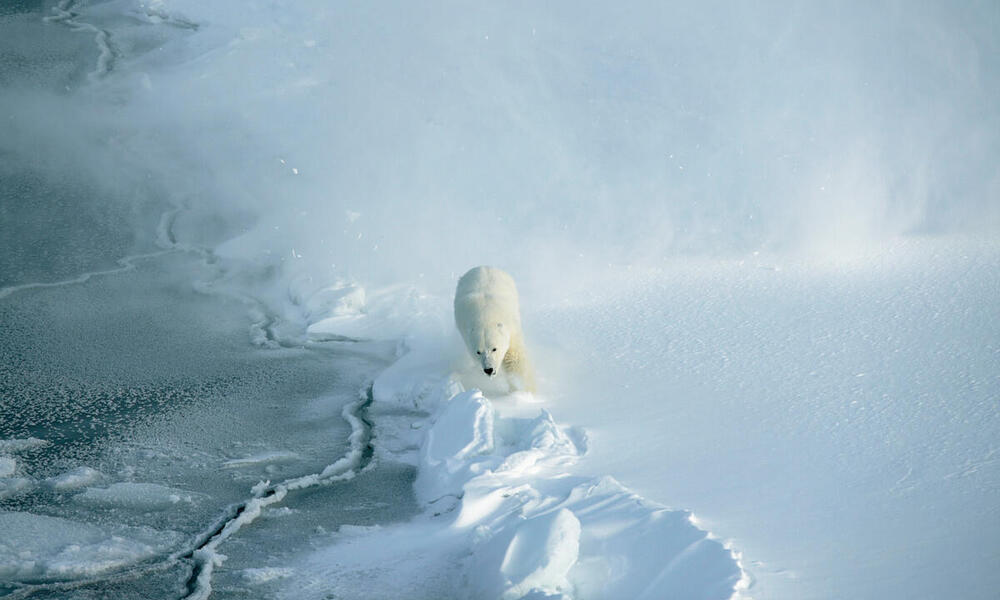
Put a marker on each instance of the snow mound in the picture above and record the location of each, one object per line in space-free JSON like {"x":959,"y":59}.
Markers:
{"x":37,"y":548}
{"x":539,"y":557}
{"x":459,"y":442}
{"x":7,"y":466}
{"x":506,"y":484}
{"x":352,"y":314}
{"x":136,"y":496}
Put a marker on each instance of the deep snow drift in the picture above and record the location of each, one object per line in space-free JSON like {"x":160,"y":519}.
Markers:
{"x":756,"y":246}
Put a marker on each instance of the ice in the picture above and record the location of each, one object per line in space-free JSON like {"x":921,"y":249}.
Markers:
{"x":82,"y":476}
{"x":262,"y":458}
{"x":37,"y":548}
{"x":137,"y":496}
{"x":8,"y":466}
{"x":18,"y":445}
{"x":265,"y":574}
{"x":13,"y":486}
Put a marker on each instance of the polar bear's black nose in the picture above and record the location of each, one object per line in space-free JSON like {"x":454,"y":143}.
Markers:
{"x":488,"y":371}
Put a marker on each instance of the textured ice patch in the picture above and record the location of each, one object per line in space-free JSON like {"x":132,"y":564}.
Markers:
{"x":207,"y":557}
{"x":7,"y":466}
{"x":262,"y":458}
{"x":21,"y":444}
{"x":136,"y":496}
{"x":36,"y":548}
{"x":264,"y":574}
{"x":356,"y":530}
{"x":12,"y":486}
{"x":73,"y":479}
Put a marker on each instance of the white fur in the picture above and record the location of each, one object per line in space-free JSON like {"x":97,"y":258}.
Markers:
{"x":487,"y":314}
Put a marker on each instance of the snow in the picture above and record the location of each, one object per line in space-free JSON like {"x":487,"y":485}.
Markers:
{"x":776,"y":395}
{"x":758,"y":262}
{"x":451,"y":450}
{"x":540,"y":555}
{"x":819,"y":416}
{"x":498,"y":475}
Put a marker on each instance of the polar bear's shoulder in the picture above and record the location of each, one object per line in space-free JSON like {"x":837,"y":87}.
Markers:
{"x":486,"y":280}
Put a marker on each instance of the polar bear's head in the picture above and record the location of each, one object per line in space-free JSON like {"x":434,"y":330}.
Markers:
{"x":491,"y":347}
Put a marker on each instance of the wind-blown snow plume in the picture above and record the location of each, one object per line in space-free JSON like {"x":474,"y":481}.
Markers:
{"x":394,"y":140}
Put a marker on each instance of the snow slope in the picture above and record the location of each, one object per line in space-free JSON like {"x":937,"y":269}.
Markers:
{"x":836,"y":421}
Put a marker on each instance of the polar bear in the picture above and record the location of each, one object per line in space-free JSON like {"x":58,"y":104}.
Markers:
{"x":488,"y":316}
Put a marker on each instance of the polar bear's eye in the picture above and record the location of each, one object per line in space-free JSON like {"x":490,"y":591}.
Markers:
{"x":478,"y":352}
{"x":493,"y":350}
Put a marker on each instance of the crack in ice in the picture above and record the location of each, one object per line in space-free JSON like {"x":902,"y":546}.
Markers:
{"x":102,"y":37}
{"x":357,"y":459}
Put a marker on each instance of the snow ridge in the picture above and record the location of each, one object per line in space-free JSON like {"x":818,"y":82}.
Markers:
{"x":532,"y":526}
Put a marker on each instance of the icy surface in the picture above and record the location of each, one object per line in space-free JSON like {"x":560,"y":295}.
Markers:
{"x":75,"y":478}
{"x":145,"y":451}
{"x":136,"y":496}
{"x":37,"y":548}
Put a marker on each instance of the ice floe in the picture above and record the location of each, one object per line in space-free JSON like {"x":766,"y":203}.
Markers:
{"x":12,"y":486}
{"x":21,"y":444}
{"x":8,"y":466}
{"x":136,"y":496}
{"x":39,"y":548}
{"x":257,"y":576}
{"x":79,"y":477}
